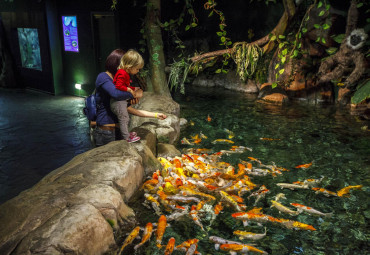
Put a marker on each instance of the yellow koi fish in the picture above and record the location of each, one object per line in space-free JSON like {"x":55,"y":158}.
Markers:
{"x":222,"y":141}
{"x":296,"y":225}
{"x":134,"y":233}
{"x":292,"y":186}
{"x":161,"y":228}
{"x":283,"y":208}
{"x":186,"y":141}
{"x":170,"y":246}
{"x":230,"y":133}
{"x":146,"y":235}
{"x":325,"y":192}
{"x":345,"y":191}
{"x":249,"y":235}
{"x":310,"y":210}
{"x":269,"y":139}
{"x":242,"y":248}
{"x":228,"y":199}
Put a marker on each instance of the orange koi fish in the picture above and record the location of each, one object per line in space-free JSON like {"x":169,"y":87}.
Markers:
{"x":190,"y":192}
{"x":252,"y":216}
{"x":249,"y":235}
{"x":209,"y":118}
{"x":186,"y":244}
{"x":146,"y":235}
{"x":170,"y":246}
{"x":161,"y":228}
{"x":345,"y":191}
{"x":304,"y":166}
{"x":325,"y":192}
{"x":218,"y":208}
{"x":194,"y":216}
{"x":218,"y":241}
{"x":254,"y":159}
{"x":134,"y":233}
{"x":310,"y":210}
{"x":242,"y":248}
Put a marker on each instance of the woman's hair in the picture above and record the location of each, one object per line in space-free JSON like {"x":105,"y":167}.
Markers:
{"x":113,"y":60}
{"x":130,"y":59}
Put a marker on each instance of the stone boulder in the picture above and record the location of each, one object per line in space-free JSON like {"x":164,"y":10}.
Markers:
{"x":80,"y":208}
{"x":167,"y":130}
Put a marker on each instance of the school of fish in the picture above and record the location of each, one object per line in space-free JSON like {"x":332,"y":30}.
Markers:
{"x":198,"y":186}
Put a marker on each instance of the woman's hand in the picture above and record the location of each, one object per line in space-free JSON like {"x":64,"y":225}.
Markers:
{"x":138,"y":93}
{"x":134,"y":101}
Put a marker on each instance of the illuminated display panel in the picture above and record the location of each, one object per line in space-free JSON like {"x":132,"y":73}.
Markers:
{"x":29,"y":48}
{"x":70,"y":34}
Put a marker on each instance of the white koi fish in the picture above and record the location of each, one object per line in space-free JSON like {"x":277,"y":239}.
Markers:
{"x":292,"y":186}
{"x":218,"y":241}
{"x":310,"y":210}
{"x":249,"y":235}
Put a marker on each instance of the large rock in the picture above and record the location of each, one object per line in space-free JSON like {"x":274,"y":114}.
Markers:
{"x":167,"y":130}
{"x":229,"y":81}
{"x":80,"y":207}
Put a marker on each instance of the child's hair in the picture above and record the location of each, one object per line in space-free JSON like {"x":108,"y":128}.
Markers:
{"x":130,"y":59}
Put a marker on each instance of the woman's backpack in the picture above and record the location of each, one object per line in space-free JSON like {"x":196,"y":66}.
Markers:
{"x":90,"y":107}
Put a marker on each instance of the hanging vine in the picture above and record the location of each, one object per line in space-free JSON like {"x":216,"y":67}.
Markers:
{"x":246,"y":57}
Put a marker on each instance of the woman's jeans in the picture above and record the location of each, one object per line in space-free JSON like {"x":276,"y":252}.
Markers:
{"x":102,"y":137}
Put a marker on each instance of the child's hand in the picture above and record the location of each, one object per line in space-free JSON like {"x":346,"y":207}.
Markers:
{"x":138,"y":93}
{"x":161,"y":116}
{"x":131,"y":91}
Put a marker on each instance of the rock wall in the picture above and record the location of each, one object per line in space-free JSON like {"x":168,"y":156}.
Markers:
{"x":80,"y":207}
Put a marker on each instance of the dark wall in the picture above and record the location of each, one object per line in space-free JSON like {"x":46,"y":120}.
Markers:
{"x":29,"y":14}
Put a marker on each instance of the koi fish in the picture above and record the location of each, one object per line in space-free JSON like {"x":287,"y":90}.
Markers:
{"x":186,"y":141}
{"x":259,"y":193}
{"x":310,"y":210}
{"x":252,"y":216}
{"x":283,"y":208}
{"x":183,"y":199}
{"x":218,"y":208}
{"x":190,"y":192}
{"x":134,"y":233}
{"x":178,"y":215}
{"x":222,"y":141}
{"x":209,"y":118}
{"x":161,"y":228}
{"x":194,"y":216}
{"x":269,"y":139}
{"x":228,"y":199}
{"x":192,"y":249}
{"x":230,"y":133}
{"x":312,"y":182}
{"x":296,"y":225}
{"x":325,"y":192}
{"x":304,"y":166}
{"x":170,"y":246}
{"x":345,"y":191}
{"x":292,"y":186}
{"x":249,"y":235}
{"x":218,"y":241}
{"x":186,"y":244}
{"x":146,"y":235}
{"x":241,"y":248}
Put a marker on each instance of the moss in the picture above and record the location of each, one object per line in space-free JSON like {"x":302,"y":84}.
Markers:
{"x":111,"y":222}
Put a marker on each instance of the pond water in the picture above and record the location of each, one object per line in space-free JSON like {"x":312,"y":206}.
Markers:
{"x":337,"y":145}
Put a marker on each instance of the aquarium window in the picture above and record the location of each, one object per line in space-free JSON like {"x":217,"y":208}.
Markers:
{"x":70,"y":34}
{"x":29,"y":48}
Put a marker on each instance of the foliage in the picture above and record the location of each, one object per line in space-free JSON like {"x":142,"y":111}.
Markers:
{"x":246,"y":57}
{"x":362,"y":92}
{"x":178,"y":74}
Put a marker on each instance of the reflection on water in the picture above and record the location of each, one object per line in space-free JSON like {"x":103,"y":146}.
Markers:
{"x":324,"y":135}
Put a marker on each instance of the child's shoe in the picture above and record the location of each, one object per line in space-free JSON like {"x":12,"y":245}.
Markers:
{"x":133,"y":139}
{"x":132,"y":134}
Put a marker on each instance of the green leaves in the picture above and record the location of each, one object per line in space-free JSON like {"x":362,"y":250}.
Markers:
{"x":362,"y":93}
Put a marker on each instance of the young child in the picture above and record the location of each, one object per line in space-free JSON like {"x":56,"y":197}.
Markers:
{"x":131,"y":63}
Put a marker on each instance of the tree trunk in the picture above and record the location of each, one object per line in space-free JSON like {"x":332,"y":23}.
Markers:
{"x":158,"y":80}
